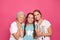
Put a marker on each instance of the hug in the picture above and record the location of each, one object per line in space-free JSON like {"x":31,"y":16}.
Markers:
{"x":30,"y":27}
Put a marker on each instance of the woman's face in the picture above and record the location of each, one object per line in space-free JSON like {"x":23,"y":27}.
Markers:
{"x":21,"y":18}
{"x":30,"y":18}
{"x":37,"y":15}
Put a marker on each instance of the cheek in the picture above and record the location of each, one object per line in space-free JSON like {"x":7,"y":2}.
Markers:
{"x":38,"y":16}
{"x":30,"y":20}
{"x":21,"y":19}
{"x":35,"y":16}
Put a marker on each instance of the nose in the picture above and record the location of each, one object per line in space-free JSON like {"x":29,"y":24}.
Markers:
{"x":35,"y":16}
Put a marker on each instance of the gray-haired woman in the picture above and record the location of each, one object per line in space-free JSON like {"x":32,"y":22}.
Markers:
{"x":16,"y":29}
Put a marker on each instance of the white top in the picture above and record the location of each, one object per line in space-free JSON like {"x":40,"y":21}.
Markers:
{"x":13,"y":29}
{"x":44,"y":28}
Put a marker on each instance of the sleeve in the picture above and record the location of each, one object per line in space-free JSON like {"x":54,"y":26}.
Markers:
{"x":48,"y":24}
{"x":13,"y":28}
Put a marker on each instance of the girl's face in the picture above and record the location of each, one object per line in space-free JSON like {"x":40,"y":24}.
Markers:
{"x":37,"y":15}
{"x":30,"y":18}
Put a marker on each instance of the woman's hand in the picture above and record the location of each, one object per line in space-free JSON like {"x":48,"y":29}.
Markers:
{"x":21,"y":32}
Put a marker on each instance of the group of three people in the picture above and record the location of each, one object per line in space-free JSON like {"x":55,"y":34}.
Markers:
{"x":30,"y":27}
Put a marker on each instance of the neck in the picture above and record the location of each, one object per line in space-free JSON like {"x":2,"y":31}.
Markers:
{"x":18,"y":22}
{"x":29,"y":23}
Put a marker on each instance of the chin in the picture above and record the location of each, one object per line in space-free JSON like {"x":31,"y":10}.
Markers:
{"x":37,"y":19}
{"x":30,"y":22}
{"x":21,"y":22}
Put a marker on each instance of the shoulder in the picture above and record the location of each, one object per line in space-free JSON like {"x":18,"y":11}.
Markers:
{"x":47,"y":23}
{"x":13,"y":23}
{"x":13,"y":28}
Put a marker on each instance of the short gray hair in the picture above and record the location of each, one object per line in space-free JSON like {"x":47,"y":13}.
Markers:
{"x":20,"y":13}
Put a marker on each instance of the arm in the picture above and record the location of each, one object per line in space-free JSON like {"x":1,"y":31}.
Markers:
{"x":46,"y":34}
{"x":22,"y":33}
{"x":49,"y":32}
{"x":38,"y":32}
{"x":16,"y":35}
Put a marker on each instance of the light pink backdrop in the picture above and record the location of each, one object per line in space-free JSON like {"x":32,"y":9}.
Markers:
{"x":9,"y":8}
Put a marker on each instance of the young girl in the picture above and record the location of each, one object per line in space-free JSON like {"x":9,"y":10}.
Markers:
{"x":44,"y":26}
{"x":29,"y":29}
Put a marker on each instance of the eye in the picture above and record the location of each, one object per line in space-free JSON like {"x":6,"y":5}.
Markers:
{"x":37,"y":14}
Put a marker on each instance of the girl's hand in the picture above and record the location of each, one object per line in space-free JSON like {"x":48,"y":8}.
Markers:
{"x":39,"y":34}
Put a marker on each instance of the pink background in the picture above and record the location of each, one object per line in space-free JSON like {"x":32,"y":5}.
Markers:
{"x":50,"y":10}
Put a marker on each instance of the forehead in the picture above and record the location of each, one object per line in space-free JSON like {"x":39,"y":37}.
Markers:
{"x":30,"y":15}
{"x":21,"y":16}
{"x":36,"y":12}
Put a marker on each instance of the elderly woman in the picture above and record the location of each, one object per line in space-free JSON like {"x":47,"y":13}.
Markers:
{"x":16,"y":29}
